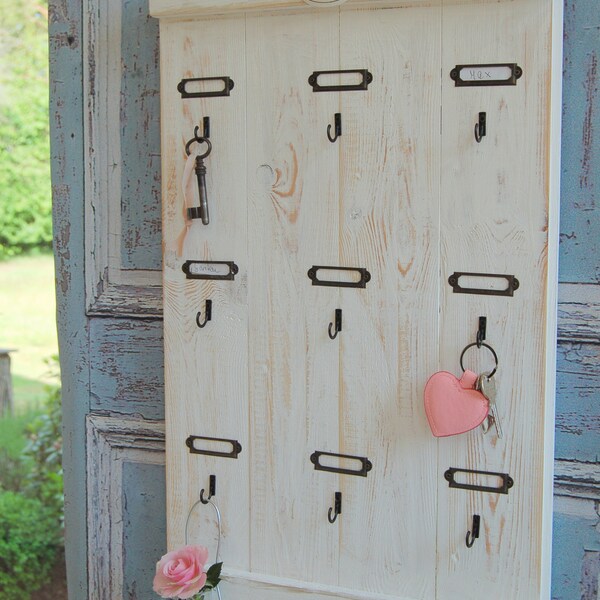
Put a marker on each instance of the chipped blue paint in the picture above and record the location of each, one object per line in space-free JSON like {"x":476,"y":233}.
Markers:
{"x":577,"y":411}
{"x":126,"y":367}
{"x":573,"y":535}
{"x":578,"y":365}
{"x":66,"y":134}
{"x":140,"y":139}
{"x":580,"y":210}
{"x":144,"y":527}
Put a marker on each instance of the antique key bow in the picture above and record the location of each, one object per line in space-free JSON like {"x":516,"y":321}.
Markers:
{"x":200,"y":212}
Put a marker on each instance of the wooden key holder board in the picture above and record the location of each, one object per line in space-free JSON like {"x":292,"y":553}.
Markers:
{"x":409,"y":195}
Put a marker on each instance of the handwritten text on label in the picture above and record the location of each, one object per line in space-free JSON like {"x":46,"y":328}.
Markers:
{"x":500,"y":73}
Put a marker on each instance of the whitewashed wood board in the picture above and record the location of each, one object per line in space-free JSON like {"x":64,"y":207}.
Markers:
{"x":494,"y":219}
{"x":408,"y":194}
{"x":206,"y":369}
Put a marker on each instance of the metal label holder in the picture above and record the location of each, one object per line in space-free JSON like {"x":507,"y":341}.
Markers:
{"x":367,"y":78}
{"x":507,"y":481}
{"x":365,"y":277}
{"x":186,"y":267}
{"x":365,"y":464}
{"x":227,"y":87}
{"x":236,"y":447}
{"x":483,"y":75}
{"x":511,"y":281}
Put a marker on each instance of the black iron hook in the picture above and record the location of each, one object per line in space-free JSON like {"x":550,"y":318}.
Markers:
{"x":338,"y":324}
{"x":481,"y":332}
{"x":337,"y":508}
{"x":212,"y":487}
{"x":480,"y":127}
{"x":205,"y":127}
{"x":337,"y":126}
{"x":207,"y":314}
{"x":474,"y":533}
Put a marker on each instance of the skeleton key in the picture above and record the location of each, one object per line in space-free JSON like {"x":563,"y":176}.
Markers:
{"x":487,"y":386}
{"x":200,"y":169}
{"x":200,"y":212}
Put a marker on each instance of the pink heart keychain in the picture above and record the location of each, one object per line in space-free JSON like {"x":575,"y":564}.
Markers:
{"x":452,"y":405}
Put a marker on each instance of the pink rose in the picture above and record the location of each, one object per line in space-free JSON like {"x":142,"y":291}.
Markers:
{"x":180,"y":574}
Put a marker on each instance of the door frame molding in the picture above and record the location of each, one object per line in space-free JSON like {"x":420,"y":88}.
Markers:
{"x":110,"y":289}
{"x":112,"y":441}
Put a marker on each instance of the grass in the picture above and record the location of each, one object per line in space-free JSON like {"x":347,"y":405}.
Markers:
{"x":28,"y":324}
{"x":31,"y":393}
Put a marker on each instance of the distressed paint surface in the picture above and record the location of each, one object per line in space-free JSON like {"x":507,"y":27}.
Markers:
{"x":576,"y":524}
{"x":577,"y":406}
{"x":580,"y":212}
{"x":140,"y":139}
{"x":126,"y":367}
{"x":66,"y":133}
{"x":144,"y":527}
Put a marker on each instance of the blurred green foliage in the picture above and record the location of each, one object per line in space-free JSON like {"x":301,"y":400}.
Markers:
{"x":25,"y":192}
{"x":28,"y":545}
{"x":31,"y":498}
{"x":43,"y":451}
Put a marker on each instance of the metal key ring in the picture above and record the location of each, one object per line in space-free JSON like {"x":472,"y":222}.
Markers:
{"x":482,"y":346}
{"x":200,"y":140}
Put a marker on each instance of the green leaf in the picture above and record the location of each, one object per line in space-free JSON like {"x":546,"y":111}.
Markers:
{"x":213,"y":575}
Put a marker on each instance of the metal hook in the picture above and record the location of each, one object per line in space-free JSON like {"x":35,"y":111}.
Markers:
{"x":207,"y":314}
{"x":338,"y":324}
{"x":474,"y":533}
{"x":480,"y":127}
{"x":205,"y":127}
{"x":481,"y":331}
{"x":338,"y":128}
{"x":212,"y":487}
{"x":337,"y":508}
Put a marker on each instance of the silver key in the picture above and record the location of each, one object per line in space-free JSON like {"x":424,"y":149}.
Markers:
{"x":487,"y":422}
{"x":487,"y":386}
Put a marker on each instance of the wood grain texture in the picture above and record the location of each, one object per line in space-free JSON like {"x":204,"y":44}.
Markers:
{"x":193,"y":8}
{"x":391,"y":197}
{"x":389,"y":210}
{"x":206,"y":369}
{"x":293,"y":224}
{"x":494,"y":220}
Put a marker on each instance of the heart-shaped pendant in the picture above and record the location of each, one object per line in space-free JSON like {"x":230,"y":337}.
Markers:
{"x":452,"y":405}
